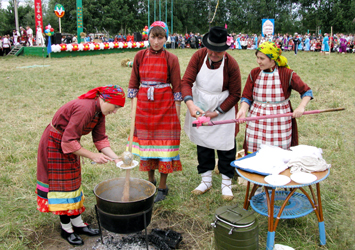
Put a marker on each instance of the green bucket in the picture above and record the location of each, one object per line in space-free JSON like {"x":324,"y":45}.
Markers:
{"x":235,"y":229}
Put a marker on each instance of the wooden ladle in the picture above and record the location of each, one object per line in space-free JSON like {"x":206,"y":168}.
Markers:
{"x":125,"y":196}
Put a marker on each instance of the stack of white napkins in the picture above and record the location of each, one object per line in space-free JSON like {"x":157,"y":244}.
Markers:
{"x":307,"y":159}
{"x":273,"y":160}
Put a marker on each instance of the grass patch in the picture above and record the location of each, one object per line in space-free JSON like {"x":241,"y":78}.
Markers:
{"x":31,"y":97}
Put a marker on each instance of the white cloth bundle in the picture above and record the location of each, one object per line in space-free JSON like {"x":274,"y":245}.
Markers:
{"x":268,"y":160}
{"x":274,"y":160}
{"x":307,"y":164}
{"x":307,"y":159}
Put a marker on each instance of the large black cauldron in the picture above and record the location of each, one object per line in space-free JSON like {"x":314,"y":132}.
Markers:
{"x":124,"y":217}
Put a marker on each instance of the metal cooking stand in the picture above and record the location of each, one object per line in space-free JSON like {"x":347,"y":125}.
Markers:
{"x":145,"y":226}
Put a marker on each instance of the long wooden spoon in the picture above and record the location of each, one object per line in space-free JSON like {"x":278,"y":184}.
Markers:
{"x":125,"y":196}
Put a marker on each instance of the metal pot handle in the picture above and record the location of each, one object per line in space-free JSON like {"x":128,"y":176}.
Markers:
{"x":214,"y":224}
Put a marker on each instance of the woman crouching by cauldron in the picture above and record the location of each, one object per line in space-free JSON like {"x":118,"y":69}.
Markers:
{"x":59,"y":187}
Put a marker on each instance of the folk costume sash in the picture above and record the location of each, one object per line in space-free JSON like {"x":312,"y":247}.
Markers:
{"x":157,"y":133}
{"x":63,"y":195}
{"x":269,"y":99}
{"x":207,"y":93}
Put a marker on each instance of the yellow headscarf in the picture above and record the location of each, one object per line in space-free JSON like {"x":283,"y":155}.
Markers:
{"x":274,"y":53}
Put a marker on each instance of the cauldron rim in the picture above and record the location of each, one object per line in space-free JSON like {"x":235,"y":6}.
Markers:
{"x":124,"y":202}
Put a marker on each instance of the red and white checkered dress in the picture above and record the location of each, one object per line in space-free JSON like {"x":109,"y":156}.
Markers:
{"x":269,"y":99}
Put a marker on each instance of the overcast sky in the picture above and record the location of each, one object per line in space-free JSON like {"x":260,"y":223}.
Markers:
{"x":5,"y":3}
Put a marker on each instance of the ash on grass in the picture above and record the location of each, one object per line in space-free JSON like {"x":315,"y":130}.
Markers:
{"x":157,"y":240}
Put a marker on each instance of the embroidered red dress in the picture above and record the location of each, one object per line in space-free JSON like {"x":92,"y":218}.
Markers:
{"x":157,"y":128}
{"x":58,"y":170}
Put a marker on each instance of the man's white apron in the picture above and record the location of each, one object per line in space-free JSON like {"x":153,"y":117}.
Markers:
{"x":208,"y":95}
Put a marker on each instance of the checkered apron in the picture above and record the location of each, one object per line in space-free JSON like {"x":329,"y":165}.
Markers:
{"x":269,"y":99}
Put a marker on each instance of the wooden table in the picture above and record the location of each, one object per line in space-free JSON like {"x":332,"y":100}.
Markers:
{"x":294,"y":204}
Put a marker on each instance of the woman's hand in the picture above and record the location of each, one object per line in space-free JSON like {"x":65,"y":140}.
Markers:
{"x":242,"y":113}
{"x":100,"y":158}
{"x":240,"y":116}
{"x":298,"y":112}
{"x":178,"y":107}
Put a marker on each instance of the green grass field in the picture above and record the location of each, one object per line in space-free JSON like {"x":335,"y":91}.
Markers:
{"x":31,"y":96}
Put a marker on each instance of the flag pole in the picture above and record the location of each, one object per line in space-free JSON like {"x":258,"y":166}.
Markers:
{"x":331,"y":35}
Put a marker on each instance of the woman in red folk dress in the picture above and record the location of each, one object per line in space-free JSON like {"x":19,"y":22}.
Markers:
{"x":267,"y":92}
{"x":59,"y":188}
{"x":155,"y":81}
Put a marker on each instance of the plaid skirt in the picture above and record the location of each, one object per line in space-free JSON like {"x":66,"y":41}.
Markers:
{"x":63,"y":194}
{"x":157,"y":131}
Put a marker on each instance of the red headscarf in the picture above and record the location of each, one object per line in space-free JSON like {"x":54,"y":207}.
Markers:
{"x":113,"y":94}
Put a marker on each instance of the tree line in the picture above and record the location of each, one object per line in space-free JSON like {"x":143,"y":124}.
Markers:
{"x":128,"y":16}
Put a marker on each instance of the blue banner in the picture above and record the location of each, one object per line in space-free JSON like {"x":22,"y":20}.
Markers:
{"x":267,"y":27}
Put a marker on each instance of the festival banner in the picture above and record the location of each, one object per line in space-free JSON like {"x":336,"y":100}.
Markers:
{"x":267,"y":27}
{"x":79,"y":20}
{"x":38,"y":14}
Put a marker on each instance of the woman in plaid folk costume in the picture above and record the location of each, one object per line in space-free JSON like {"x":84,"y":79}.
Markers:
{"x":59,"y":188}
{"x":267,"y":92}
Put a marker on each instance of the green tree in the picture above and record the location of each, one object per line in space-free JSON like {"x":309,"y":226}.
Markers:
{"x":25,"y":17}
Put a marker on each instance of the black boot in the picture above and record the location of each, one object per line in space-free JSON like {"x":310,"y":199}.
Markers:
{"x":86,"y":230}
{"x":72,"y":238}
{"x":162,"y":193}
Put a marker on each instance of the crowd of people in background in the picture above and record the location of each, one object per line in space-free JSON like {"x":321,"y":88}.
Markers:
{"x":23,"y":37}
{"x":190,"y":40}
{"x":340,"y":43}
{"x":324,"y":43}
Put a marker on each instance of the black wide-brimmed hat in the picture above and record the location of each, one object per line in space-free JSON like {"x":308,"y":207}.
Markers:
{"x":216,"y":39}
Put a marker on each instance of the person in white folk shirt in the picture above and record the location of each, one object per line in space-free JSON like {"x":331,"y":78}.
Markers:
{"x":6,"y":45}
{"x":15,"y":37}
{"x":39,"y":36}
{"x":30,"y":36}
{"x":211,"y":86}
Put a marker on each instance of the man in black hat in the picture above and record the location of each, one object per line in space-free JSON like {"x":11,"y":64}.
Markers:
{"x":211,"y":86}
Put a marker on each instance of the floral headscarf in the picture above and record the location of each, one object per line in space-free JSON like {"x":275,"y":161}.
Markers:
{"x":113,"y":94}
{"x":162,"y":25}
{"x":274,"y":53}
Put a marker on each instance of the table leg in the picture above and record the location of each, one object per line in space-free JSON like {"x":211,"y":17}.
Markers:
{"x":270,"y":240}
{"x":282,"y":208}
{"x":247,"y":196}
{"x":271,"y":232}
{"x":319,"y":212}
{"x":246,"y":199}
{"x":321,"y":226}
{"x":322,"y":238}
{"x":320,"y":209}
